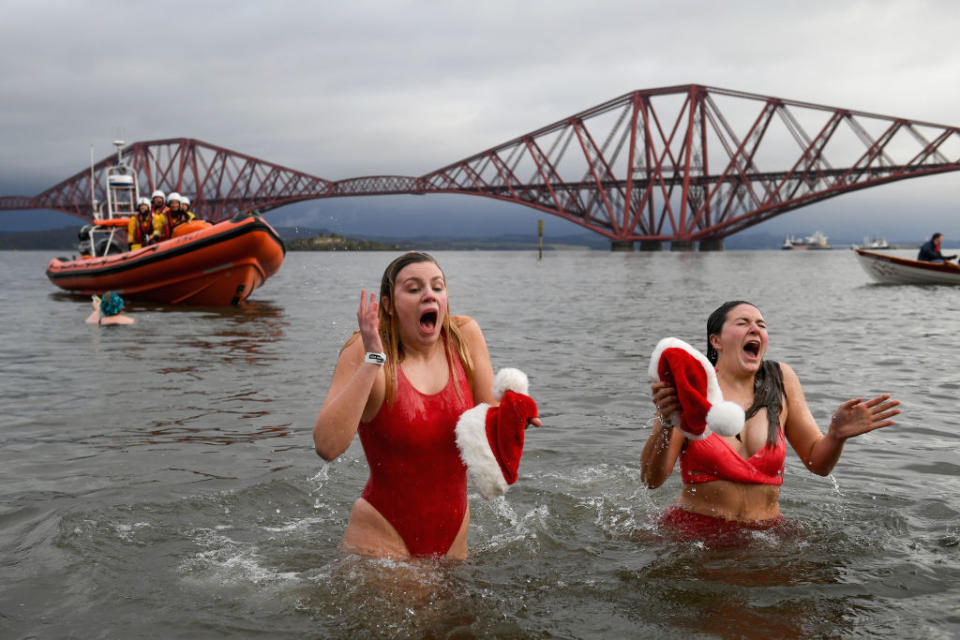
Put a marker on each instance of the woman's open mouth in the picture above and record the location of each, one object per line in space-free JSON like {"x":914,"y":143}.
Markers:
{"x":752,"y":348}
{"x":428,"y":321}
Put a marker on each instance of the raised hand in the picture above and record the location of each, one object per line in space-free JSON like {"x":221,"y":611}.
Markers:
{"x":855,"y":417}
{"x":668,"y":406}
{"x":369,"y":322}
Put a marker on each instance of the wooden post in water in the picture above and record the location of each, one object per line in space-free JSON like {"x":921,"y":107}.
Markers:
{"x":540,"y":233}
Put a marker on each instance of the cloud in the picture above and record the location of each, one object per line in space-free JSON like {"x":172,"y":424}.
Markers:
{"x":346,"y":89}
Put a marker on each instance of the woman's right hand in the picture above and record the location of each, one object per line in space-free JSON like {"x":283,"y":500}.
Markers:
{"x":369,"y":321}
{"x":662,"y":449}
{"x":665,"y":400}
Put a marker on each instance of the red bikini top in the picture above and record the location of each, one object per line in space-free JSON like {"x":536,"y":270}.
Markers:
{"x":712,"y":458}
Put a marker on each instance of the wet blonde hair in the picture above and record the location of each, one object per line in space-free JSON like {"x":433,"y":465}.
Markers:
{"x":390,"y":328}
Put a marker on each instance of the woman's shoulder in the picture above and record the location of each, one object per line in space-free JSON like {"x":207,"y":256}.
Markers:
{"x":465,"y":324}
{"x":786,"y":369}
{"x":461,"y":321}
{"x":353,"y":347}
{"x":790,"y":379}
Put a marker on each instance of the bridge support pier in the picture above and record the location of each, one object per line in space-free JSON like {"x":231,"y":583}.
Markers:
{"x":651,"y":245}
{"x":621,"y":245}
{"x":711,"y":244}
{"x":681,"y":245}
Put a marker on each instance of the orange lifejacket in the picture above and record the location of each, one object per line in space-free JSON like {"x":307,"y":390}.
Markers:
{"x":173,"y":222}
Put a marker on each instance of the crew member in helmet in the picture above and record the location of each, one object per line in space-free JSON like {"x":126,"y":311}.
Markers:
{"x":185,"y":205}
{"x":177,"y":212}
{"x":158,"y":200}
{"x":146,"y":227}
{"x":172,"y":215}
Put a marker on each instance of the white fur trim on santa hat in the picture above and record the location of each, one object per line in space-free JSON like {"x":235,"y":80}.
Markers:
{"x":482,"y":465}
{"x":714,"y":395}
{"x":725,"y":418}
{"x":510,"y":379}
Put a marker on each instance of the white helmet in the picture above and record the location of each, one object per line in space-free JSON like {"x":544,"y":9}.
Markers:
{"x":158,"y":194}
{"x":173,"y":196}
{"x":185,"y":201}
{"x":141,"y":200}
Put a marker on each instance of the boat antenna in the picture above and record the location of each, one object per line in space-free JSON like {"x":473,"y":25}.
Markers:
{"x":93,"y":189}
{"x":119,"y":145}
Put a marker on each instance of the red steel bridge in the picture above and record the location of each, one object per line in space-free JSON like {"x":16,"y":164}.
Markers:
{"x":685,"y":164}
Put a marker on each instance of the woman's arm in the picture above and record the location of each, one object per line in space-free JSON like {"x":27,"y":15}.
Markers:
{"x":820,"y":452}
{"x":356,"y":389}
{"x":665,"y":443}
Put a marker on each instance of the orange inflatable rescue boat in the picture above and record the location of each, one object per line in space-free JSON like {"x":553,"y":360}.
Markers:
{"x":202,"y":264}
{"x":214,"y":265}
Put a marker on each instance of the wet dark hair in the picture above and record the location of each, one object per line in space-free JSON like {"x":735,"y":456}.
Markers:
{"x":768,"y":389}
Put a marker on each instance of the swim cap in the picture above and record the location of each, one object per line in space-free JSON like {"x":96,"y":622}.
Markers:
{"x":111,"y":304}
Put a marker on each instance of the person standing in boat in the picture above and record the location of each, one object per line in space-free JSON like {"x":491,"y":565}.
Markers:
{"x":930,"y":250}
{"x":732,"y":483}
{"x":146,"y":227}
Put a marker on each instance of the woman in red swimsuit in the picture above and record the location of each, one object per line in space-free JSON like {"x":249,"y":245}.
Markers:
{"x":737,"y":479}
{"x":402,"y":382}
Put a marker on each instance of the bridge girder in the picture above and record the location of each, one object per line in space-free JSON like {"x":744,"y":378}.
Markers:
{"x":682,"y":164}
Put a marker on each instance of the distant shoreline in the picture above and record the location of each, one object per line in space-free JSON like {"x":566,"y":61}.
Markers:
{"x":64,"y":239}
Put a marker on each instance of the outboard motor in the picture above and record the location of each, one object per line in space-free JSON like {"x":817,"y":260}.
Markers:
{"x":108,"y":246}
{"x":84,"y":246}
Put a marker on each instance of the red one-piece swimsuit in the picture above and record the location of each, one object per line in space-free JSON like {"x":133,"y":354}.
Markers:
{"x":417,"y":479}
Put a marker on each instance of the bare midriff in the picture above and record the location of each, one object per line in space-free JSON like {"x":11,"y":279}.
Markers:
{"x":732,"y":500}
{"x":370,"y":534}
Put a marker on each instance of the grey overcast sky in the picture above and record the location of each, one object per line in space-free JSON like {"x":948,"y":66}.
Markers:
{"x":339,"y":89}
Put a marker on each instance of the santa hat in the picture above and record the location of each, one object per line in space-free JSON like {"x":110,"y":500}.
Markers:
{"x":702,"y":407}
{"x":490,"y":439}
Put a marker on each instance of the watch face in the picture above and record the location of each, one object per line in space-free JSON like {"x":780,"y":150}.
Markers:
{"x":376,"y":358}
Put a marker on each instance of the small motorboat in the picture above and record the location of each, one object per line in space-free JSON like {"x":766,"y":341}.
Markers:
{"x":202,"y":264}
{"x":890,"y":269}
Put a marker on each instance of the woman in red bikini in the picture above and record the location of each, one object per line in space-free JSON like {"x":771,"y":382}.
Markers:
{"x":736,"y":480}
{"x":402,"y":383}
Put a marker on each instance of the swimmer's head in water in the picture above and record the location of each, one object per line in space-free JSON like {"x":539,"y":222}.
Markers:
{"x":111,"y":304}
{"x":715,"y":325}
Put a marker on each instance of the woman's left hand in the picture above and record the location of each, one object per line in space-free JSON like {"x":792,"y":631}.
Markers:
{"x":533,"y":421}
{"x":856,"y":417}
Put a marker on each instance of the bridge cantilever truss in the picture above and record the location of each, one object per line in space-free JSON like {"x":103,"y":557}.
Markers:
{"x":219,"y":181}
{"x":682,"y":164}
{"x":694,"y":163}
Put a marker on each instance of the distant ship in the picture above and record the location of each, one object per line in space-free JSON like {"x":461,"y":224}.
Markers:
{"x":815,"y":241}
{"x":878,"y":243}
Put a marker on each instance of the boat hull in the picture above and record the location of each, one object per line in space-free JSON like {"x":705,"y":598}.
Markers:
{"x":217,"y":266}
{"x":893,"y":270}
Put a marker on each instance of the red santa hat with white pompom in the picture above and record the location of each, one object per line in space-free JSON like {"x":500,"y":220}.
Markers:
{"x":490,"y":439}
{"x":702,"y":407}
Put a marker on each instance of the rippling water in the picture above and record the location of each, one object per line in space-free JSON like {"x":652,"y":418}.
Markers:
{"x":159,"y":480}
